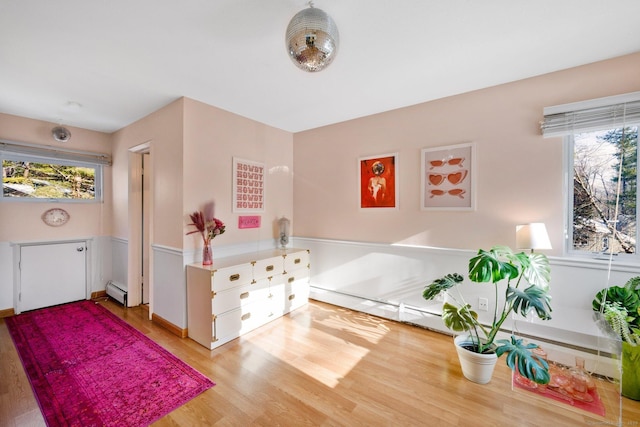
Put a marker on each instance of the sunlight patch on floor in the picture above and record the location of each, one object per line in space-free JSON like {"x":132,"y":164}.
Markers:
{"x":345,"y":342}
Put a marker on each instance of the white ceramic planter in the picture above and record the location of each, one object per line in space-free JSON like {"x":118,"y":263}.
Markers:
{"x":476,"y":367}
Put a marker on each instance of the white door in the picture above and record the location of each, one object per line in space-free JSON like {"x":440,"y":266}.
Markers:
{"x":52,"y":274}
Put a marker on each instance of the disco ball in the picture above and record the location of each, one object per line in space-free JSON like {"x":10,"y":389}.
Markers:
{"x":312,"y":39}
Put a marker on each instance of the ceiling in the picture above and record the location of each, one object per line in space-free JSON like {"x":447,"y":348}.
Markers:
{"x":102,"y":65}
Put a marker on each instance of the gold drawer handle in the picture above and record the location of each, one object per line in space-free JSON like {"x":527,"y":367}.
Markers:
{"x":234,"y":277}
{"x":246,"y":316}
{"x":297,"y":261}
{"x":292,"y":296}
{"x":269,"y":268}
{"x":244,"y":295}
{"x":291,"y":279}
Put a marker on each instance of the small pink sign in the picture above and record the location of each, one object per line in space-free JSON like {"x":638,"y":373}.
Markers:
{"x":251,"y":221}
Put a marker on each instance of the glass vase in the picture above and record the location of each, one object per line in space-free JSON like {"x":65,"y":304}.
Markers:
{"x":207,"y":254}
{"x":580,"y":382}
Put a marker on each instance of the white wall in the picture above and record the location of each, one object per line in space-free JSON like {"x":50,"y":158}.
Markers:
{"x":386,"y":279}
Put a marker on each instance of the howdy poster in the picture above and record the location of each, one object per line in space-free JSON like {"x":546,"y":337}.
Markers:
{"x":248,"y":186}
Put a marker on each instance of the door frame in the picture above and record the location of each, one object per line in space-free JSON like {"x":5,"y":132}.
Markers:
{"x":134,"y":264}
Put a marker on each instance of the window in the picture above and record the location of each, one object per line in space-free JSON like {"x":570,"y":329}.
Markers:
{"x":601,"y":141}
{"x":603,"y":200}
{"x":32,"y":173}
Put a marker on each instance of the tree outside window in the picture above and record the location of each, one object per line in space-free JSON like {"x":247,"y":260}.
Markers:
{"x":604,"y":199}
{"x":28,"y":179}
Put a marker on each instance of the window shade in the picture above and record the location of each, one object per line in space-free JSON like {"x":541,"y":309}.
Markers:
{"x":603,"y":113}
{"x":48,"y":152}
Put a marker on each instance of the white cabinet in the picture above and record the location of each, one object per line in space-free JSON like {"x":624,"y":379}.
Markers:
{"x":51,"y":273}
{"x":238,"y":294}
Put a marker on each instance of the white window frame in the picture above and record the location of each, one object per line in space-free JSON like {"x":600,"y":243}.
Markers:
{"x":23,"y":152}
{"x":585,"y":116}
{"x":568,"y":154}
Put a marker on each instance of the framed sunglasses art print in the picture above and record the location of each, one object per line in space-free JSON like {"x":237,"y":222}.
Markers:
{"x":448,"y":178}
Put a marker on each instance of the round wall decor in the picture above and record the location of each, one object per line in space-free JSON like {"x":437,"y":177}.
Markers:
{"x":55,"y":217}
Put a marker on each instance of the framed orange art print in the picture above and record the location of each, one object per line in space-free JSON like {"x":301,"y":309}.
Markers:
{"x":379,"y":182}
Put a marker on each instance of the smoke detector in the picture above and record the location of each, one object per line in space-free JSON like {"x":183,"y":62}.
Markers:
{"x":61,"y":134}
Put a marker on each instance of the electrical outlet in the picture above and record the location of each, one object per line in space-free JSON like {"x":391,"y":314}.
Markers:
{"x":483,"y":304}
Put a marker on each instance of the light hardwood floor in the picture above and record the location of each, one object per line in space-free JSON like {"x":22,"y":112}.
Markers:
{"x":324,"y":366}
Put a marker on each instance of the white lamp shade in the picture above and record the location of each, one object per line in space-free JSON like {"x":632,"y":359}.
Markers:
{"x":532,"y":236}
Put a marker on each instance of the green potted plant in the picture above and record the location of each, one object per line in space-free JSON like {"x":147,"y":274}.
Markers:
{"x":526,"y":277}
{"x":619,"y":307}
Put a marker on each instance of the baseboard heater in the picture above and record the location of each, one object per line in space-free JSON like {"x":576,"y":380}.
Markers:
{"x":117,"y":292}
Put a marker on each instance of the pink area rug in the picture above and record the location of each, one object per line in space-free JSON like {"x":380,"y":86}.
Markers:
{"x":87,"y":367}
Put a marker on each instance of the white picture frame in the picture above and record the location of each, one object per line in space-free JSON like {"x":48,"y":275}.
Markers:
{"x":448,"y":178}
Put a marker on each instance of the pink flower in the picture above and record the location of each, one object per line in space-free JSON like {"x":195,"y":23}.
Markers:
{"x":208,"y":229}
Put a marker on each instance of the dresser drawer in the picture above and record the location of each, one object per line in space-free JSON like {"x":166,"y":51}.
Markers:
{"x":238,"y":296}
{"x":228,"y":277}
{"x":277,"y":300}
{"x":297,"y":295}
{"x":296,"y":276}
{"x":268,"y":267}
{"x":296,"y":261}
{"x":242,"y":320}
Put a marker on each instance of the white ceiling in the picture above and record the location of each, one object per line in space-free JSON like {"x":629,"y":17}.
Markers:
{"x":123,"y":59}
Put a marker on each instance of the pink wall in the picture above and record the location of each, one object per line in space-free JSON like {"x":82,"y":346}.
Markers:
{"x":519,"y":174}
{"x":192,"y":147}
{"x":213,"y":137}
{"x":21,"y":221}
{"x":207,"y":137}
{"x":163,"y":129}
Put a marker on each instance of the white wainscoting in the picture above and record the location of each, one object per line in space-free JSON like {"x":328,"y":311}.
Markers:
{"x":6,"y":276}
{"x":387,"y":281}
{"x":100,"y":262}
{"x":119,"y":261}
{"x":169,"y":289}
{"x":222,"y":251}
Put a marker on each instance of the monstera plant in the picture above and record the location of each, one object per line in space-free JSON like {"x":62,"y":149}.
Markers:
{"x":525,"y":277}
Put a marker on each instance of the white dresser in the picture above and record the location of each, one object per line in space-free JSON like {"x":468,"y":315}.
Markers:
{"x":240,"y":293}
